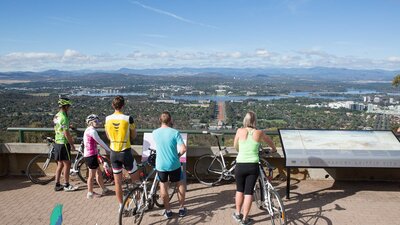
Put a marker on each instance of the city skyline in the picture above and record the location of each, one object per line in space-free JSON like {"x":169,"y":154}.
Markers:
{"x":72,"y":35}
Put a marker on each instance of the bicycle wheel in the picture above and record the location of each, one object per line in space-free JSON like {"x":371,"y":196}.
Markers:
{"x":171,"y":192}
{"x":83,"y":171}
{"x":275,"y":208}
{"x":41,"y":169}
{"x":258,"y":194}
{"x":133,"y":207}
{"x":208,"y":170}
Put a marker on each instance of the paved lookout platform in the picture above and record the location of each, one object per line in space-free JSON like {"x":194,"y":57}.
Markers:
{"x":312,"y":202}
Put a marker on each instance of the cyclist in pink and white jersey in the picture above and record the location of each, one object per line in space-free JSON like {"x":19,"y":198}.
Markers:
{"x":91,"y":139}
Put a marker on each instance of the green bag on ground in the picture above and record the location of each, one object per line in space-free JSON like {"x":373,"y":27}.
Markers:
{"x":56,"y":215}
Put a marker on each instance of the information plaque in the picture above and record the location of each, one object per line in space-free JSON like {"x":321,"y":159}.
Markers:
{"x":340,"y":148}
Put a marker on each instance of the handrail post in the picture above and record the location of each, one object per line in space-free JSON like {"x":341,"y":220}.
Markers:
{"x":21,"y":136}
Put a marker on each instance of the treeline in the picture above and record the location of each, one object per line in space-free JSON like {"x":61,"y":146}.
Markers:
{"x":292,"y":113}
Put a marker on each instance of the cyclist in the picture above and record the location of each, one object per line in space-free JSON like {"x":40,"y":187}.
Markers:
{"x":168,"y":165}
{"x":247,"y":141}
{"x":64,"y":143}
{"x":91,"y":139}
{"x":120,"y":129}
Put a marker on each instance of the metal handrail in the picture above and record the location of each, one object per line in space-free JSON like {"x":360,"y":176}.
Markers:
{"x":22,"y":130}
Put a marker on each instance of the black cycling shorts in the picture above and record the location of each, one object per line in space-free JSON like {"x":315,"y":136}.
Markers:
{"x":123,"y":159}
{"x":246,"y":175}
{"x":172,"y":176}
{"x":62,"y":152}
{"x":92,"y":162}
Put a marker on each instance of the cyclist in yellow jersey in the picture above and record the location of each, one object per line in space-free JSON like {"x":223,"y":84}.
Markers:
{"x":120,"y":129}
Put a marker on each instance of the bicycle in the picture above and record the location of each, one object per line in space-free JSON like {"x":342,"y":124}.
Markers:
{"x":211,"y":169}
{"x":104,"y":164}
{"x":142,"y":198}
{"x":265,"y":195}
{"x":39,"y":170}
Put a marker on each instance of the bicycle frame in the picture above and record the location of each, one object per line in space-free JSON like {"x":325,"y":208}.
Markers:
{"x":264,"y":193}
{"x":106,"y":167}
{"x":267,"y":190}
{"x":225,"y":170}
{"x":226,"y":174}
{"x":78,"y":158}
{"x":50,"y":143}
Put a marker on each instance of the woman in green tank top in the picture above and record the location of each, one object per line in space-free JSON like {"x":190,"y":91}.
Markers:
{"x":247,"y":142}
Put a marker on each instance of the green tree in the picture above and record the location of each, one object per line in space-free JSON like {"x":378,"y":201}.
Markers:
{"x":396,"y":80}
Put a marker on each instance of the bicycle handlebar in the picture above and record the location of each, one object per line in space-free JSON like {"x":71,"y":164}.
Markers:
{"x":48,"y":139}
{"x":266,"y":150}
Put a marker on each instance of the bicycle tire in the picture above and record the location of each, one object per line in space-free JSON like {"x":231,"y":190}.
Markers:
{"x":157,"y":196}
{"x":38,"y":169}
{"x":209,"y":175}
{"x":278,"y":215}
{"x":258,"y":194}
{"x":83,"y":171}
{"x":133,"y":207}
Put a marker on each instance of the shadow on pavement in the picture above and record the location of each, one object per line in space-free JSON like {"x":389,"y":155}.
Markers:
{"x":8,"y":183}
{"x":201,"y":208}
{"x":309,"y":208}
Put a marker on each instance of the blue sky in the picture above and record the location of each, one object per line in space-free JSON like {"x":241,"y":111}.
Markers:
{"x":99,"y":34}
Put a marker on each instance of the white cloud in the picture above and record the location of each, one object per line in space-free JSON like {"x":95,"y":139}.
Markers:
{"x":69,"y":53}
{"x":236,"y":54}
{"x":159,"y":11}
{"x":163,"y":54}
{"x":73,"y":59}
{"x":65,"y":20}
{"x":316,"y":52}
{"x":394,"y":59}
{"x":136,"y":54}
{"x":262,"y":53}
{"x":30,"y":55}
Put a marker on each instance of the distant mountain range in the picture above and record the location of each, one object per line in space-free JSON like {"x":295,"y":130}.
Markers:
{"x":309,"y":73}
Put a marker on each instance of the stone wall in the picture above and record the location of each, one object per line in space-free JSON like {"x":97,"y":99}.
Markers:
{"x":14,"y":158}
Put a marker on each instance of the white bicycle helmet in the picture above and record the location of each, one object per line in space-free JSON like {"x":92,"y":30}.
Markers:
{"x":92,"y":117}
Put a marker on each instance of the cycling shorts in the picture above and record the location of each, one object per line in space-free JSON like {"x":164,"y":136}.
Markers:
{"x":246,"y":175}
{"x":123,"y":159}
{"x":91,"y":162}
{"x":62,"y":152}
{"x":172,"y":176}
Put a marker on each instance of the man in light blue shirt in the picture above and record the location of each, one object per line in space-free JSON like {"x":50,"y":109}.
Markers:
{"x":168,"y":142}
